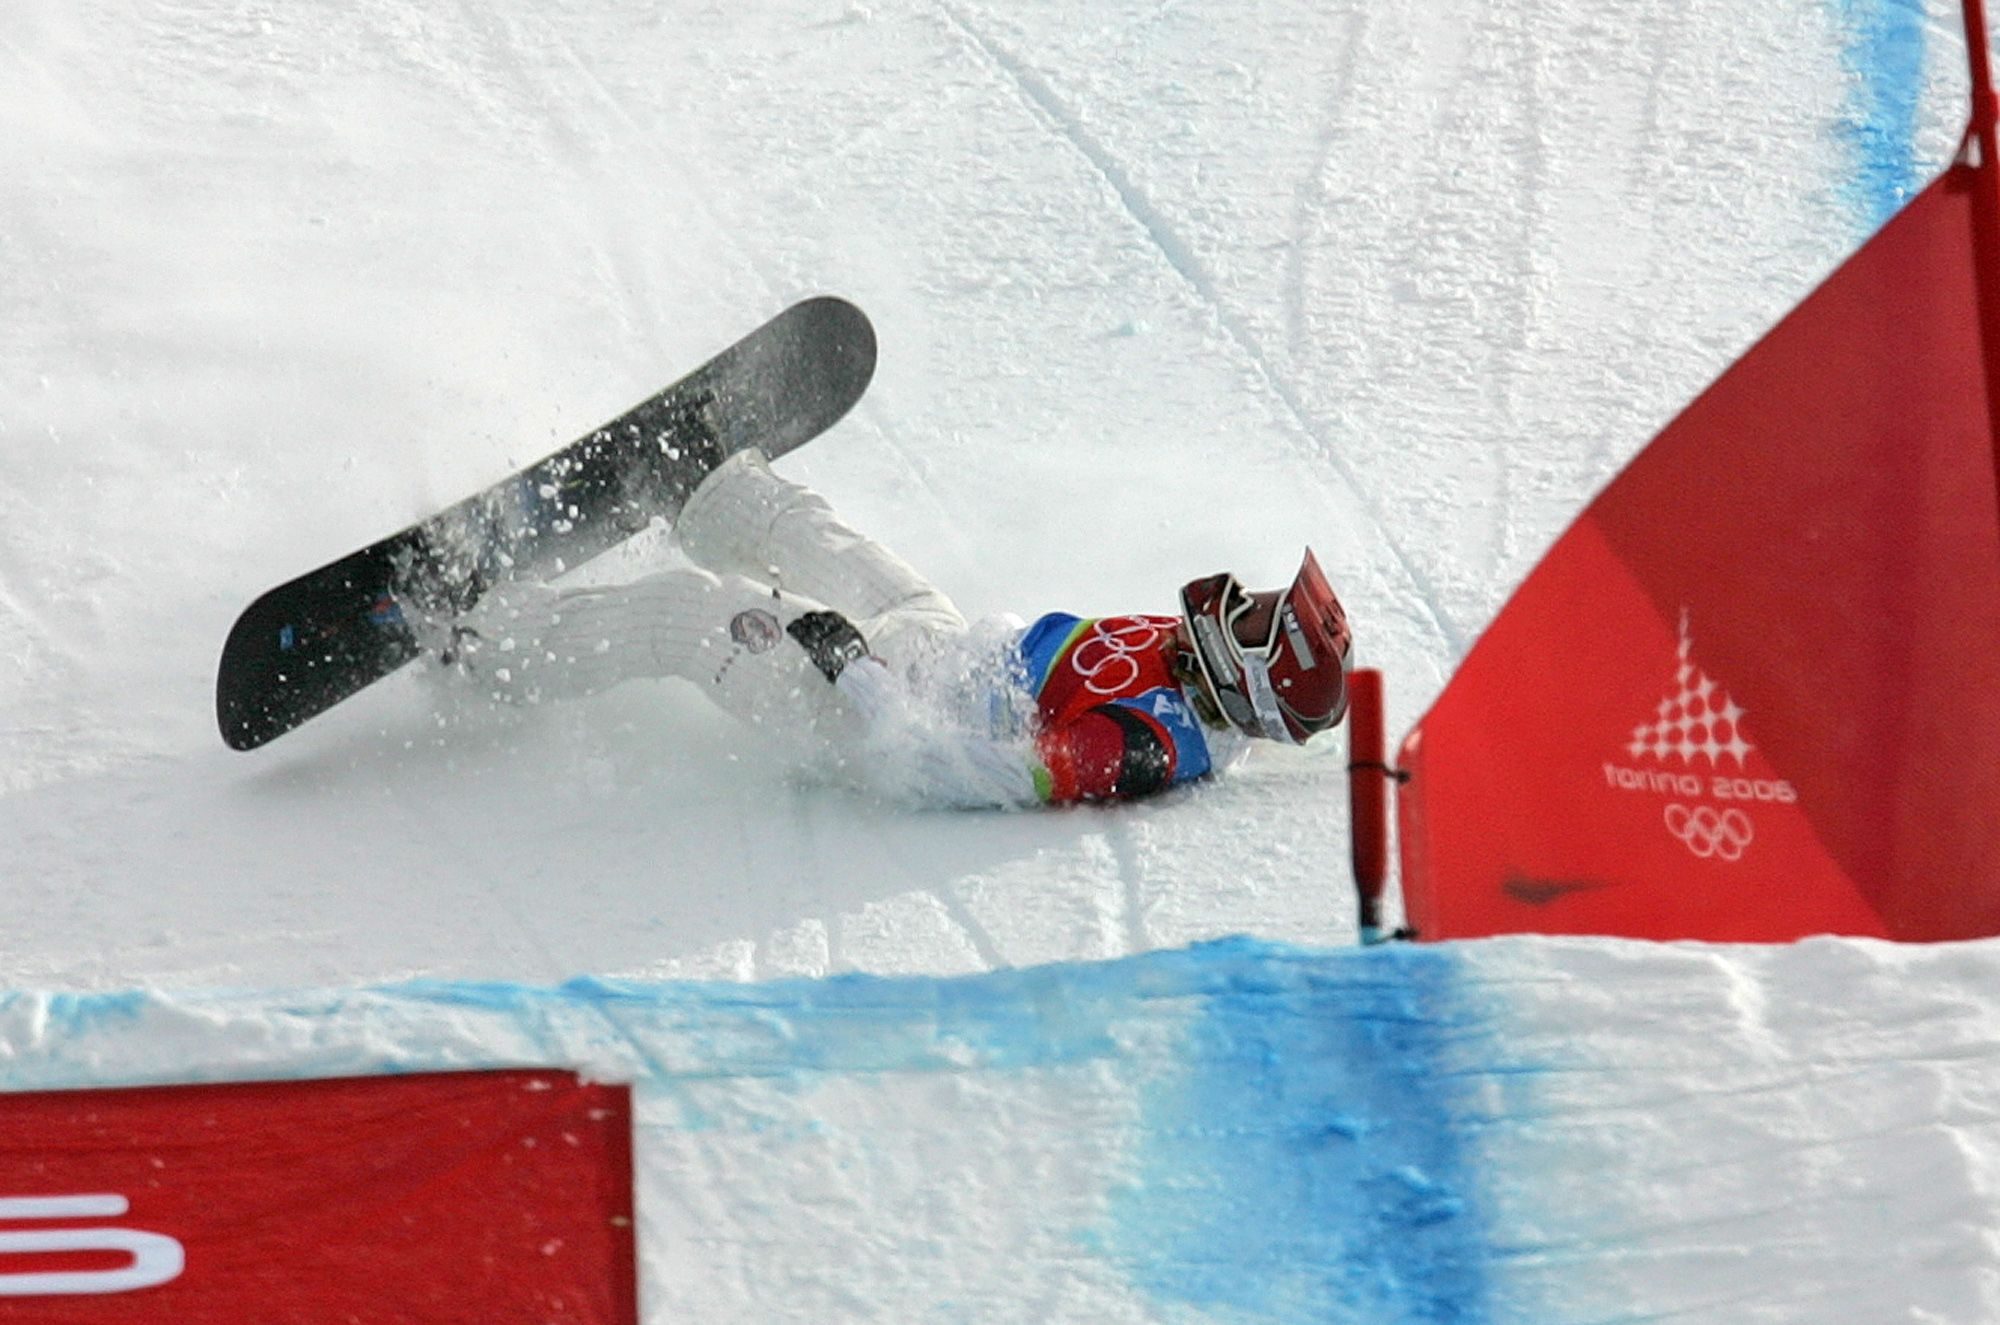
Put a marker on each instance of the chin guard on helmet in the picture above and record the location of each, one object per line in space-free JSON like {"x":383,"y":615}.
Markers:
{"x":1289,"y":685}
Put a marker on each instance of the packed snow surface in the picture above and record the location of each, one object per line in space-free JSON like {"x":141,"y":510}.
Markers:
{"x":1162,"y":288}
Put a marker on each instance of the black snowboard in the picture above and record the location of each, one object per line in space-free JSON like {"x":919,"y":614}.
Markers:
{"x":310,"y":643}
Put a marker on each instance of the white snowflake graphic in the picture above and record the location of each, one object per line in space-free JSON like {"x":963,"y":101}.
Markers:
{"x":1698,"y":720}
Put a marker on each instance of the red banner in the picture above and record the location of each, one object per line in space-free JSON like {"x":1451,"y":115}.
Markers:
{"x":446,"y":1198}
{"x":1753,"y":693}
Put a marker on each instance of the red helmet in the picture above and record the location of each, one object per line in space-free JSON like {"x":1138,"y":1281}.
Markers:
{"x":1290,"y":684}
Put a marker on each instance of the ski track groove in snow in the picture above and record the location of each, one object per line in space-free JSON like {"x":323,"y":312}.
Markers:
{"x":976,"y":934}
{"x":1602,"y":448}
{"x":1129,"y":868}
{"x":539,"y":112}
{"x":582,"y":145}
{"x":1509,"y":351}
{"x":1310,"y":197}
{"x":1185,"y":263}
{"x":36,"y":632}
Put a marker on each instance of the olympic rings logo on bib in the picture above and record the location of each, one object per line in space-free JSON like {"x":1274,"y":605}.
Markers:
{"x":1108,"y":659}
{"x":1709,"y":833}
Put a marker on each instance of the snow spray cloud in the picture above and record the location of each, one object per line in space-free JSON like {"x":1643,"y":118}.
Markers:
{"x":1884,"y":57}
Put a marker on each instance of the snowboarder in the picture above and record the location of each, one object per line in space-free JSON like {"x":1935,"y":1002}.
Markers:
{"x":835,"y":647}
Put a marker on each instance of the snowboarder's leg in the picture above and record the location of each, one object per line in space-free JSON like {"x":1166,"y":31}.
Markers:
{"x":742,"y":644}
{"x":745,"y":520}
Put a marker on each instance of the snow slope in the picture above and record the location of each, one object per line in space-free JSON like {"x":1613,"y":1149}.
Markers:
{"x":1161,"y":288}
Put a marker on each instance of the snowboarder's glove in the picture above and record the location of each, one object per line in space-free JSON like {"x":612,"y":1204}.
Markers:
{"x":830,"y":640}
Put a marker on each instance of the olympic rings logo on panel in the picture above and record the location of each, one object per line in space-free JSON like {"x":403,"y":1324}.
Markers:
{"x":1108,"y":660}
{"x":1710,"y":833}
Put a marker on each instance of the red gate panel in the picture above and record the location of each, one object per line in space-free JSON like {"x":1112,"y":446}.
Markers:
{"x":1753,"y":693}
{"x":447,"y":1198}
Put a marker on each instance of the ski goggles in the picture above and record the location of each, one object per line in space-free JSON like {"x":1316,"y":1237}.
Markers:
{"x":1235,"y":679}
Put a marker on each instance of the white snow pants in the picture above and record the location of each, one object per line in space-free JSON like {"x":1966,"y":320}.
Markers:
{"x":768,"y":552}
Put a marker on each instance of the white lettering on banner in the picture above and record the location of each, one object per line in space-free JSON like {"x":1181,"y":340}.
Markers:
{"x":1718,"y":787}
{"x":156,"y":1258}
{"x":1108,"y":660}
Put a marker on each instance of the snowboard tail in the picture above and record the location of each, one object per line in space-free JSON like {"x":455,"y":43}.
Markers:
{"x":306,"y":645}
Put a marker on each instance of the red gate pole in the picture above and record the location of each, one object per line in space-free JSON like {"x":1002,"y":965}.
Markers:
{"x":1984,"y":113}
{"x":1983,"y":136}
{"x":1368,"y":777}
